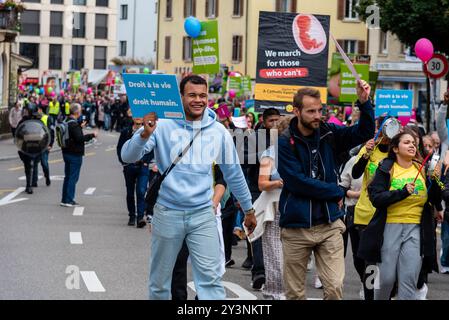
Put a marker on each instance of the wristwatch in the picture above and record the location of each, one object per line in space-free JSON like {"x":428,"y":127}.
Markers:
{"x":250,"y":211}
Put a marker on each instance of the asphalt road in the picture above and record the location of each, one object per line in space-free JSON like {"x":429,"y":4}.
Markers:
{"x":50,"y":252}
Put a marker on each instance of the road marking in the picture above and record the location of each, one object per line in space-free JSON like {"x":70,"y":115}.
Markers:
{"x":15,"y":168}
{"x":90,"y":191}
{"x":75,"y":238}
{"x":90,"y":154}
{"x":111,"y":148}
{"x":56,"y":161}
{"x":23,"y":178}
{"x":241,"y":293}
{"x":92,"y":282}
{"x":9,"y":198}
{"x":2,"y":191}
{"x":78,"y":211}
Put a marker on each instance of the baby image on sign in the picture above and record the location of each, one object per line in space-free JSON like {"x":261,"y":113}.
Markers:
{"x":154,"y":93}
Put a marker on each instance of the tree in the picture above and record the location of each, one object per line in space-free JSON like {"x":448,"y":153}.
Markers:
{"x":411,"y":20}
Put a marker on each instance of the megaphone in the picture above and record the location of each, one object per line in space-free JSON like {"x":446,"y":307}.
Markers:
{"x":32,"y":137}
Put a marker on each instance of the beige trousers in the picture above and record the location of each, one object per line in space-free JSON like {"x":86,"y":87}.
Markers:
{"x":326,"y":242}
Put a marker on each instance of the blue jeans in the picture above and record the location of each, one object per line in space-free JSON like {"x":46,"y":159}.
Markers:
{"x":72,"y":170}
{"x":136,"y":178}
{"x":44,"y":164}
{"x":199,"y":229}
{"x":445,"y":243}
{"x":107,"y":121}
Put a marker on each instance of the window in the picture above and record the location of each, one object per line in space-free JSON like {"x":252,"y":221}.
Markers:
{"x":101,"y":26}
{"x":57,"y":2}
{"x":169,"y":9}
{"x":55,"y":58}
{"x":122,"y":52}
{"x":124,"y":12}
{"x":189,"y":8}
{"x":79,"y":2}
{"x":383,"y":43}
{"x":350,"y":46}
{"x":237,"y":48}
{"x":350,"y":9}
{"x":100,"y":58}
{"x":79,"y":25}
{"x":167,"y":55}
{"x":212,"y":8}
{"x":156,"y":7}
{"x":31,"y":51}
{"x":56,"y":23}
{"x":187,"y":49}
{"x":32,"y":1}
{"x":30,"y":23}
{"x":238,"y":8}
{"x":77,"y":57}
{"x":286,"y":5}
{"x":102,"y":3}
{"x":155,"y":46}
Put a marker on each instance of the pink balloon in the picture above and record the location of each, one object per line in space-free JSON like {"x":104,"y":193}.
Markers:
{"x":232,"y":74}
{"x":348,"y":111}
{"x":61,"y":92}
{"x":89,"y":90}
{"x":424,"y":49}
{"x":52,"y":94}
{"x":232,"y":93}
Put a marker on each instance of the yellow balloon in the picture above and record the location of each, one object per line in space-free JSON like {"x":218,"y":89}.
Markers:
{"x":289,"y":108}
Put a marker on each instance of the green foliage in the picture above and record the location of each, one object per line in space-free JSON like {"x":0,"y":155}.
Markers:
{"x":411,"y":20}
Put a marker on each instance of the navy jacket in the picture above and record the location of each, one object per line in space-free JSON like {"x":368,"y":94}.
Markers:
{"x":295,"y":168}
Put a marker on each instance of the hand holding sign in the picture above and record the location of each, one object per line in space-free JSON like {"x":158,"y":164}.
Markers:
{"x":149,"y":123}
{"x":363,"y":91}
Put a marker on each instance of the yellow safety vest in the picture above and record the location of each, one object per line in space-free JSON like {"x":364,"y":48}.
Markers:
{"x":53,"y":109}
{"x":44,"y":119}
{"x":67,"y":108}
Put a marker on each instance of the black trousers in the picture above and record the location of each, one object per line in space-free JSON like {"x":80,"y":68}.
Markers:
{"x":31,"y":168}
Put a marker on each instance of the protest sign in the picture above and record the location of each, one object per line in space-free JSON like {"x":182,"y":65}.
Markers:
{"x":292,"y":53}
{"x":348,"y":86}
{"x":394,"y":103}
{"x":154,"y":93}
{"x":206,"y":50}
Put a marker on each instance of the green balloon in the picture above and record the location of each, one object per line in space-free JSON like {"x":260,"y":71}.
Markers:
{"x":37,"y":90}
{"x":146,"y":70}
{"x":50,"y":89}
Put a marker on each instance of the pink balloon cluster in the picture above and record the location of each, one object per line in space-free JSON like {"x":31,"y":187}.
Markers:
{"x":232,"y":93}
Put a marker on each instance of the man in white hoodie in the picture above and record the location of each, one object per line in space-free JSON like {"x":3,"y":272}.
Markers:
{"x":184,"y":206}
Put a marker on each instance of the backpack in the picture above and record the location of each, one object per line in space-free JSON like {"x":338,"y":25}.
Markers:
{"x":62,"y":133}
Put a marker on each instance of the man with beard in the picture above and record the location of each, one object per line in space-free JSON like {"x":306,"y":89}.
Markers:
{"x":311,"y":200}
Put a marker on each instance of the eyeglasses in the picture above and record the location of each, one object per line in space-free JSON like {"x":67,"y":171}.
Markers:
{"x":138,"y":123}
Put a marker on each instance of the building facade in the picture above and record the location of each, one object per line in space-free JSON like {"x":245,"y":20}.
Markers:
{"x":63,"y":35}
{"x":238,"y":23}
{"x":137,"y":29}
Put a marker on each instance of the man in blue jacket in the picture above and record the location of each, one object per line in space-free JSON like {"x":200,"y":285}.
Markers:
{"x":184,"y":208}
{"x":311,"y":200}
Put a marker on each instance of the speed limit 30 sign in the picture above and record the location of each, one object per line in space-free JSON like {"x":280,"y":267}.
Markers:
{"x":437,"y":67}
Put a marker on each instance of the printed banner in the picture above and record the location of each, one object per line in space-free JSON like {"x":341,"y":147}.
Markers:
{"x":292,"y":53}
{"x":395,"y":103}
{"x":241,"y":85}
{"x":348,"y":87}
{"x":154,"y":93}
{"x":206,"y":50}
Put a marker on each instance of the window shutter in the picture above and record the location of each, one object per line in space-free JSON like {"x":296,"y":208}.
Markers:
{"x":184,"y":48}
{"x":341,"y":10}
{"x":293,"y":7}
{"x":278,"y":5}
{"x":361,"y":47}
{"x":217,"y":5}
{"x":341,"y":43}
{"x":242,"y":7}
{"x":194,"y":8}
{"x":185,"y":8}
{"x":207,"y":8}
{"x":240,"y":48}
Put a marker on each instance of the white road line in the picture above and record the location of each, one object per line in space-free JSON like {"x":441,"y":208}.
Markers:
{"x":92,"y":282}
{"x":90,"y":191}
{"x":75,"y":238}
{"x":78,"y":211}
{"x":9,"y":198}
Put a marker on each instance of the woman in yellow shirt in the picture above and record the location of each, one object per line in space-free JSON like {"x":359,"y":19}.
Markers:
{"x":400,"y":232}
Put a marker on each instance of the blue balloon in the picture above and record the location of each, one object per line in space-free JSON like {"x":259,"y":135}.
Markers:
{"x":41,"y":91}
{"x":192,"y":26}
{"x":30,"y":87}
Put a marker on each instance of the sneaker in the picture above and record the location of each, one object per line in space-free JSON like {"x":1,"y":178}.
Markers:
{"x":29,"y":190}
{"x":421,"y":294}
{"x":142,"y":223}
{"x":63,"y":204}
{"x":248,"y":263}
{"x":47,"y":181}
{"x":362,"y":293}
{"x":258,"y":282}
{"x":229,"y":263}
{"x":132,"y":221}
{"x":444,"y":270}
{"x":317,"y":283}
{"x":74,"y":204}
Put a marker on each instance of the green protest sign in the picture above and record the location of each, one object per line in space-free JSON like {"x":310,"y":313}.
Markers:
{"x":206,"y":50}
{"x":241,"y":85}
{"x":348,"y":91}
